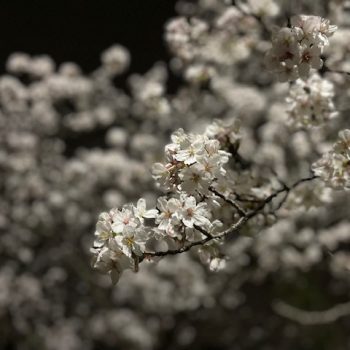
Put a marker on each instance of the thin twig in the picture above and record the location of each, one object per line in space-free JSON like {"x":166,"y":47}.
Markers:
{"x":326,"y":69}
{"x":247,"y":200}
{"x":233,"y":229}
{"x":239,"y":209}
{"x":204,"y":232}
{"x":289,"y":188}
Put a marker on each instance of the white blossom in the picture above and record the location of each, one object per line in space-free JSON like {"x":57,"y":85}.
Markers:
{"x":310,"y":102}
{"x":193,"y":213}
{"x":297,"y":50}
{"x":168,"y":212}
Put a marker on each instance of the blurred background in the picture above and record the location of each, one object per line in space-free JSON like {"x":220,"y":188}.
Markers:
{"x":89,"y":95}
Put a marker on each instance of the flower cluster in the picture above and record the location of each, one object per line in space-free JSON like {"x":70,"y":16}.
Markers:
{"x":298,"y":49}
{"x":123,"y":238}
{"x":310,"y":102}
{"x":202,"y":48}
{"x":120,"y":238}
{"x":334,"y":166}
{"x":195,"y":163}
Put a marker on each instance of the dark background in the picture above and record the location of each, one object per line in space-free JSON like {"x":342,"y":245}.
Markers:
{"x":79,"y":30}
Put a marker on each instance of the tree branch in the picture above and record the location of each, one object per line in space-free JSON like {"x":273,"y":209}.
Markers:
{"x":235,"y":227}
{"x":239,"y":209}
{"x":311,"y":317}
{"x":326,"y":69}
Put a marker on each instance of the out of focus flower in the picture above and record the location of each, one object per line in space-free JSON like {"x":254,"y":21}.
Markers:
{"x":297,"y":50}
{"x":115,"y":60}
{"x":310,"y":102}
{"x":334,"y":166}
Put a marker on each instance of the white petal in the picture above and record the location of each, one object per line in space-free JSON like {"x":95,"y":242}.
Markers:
{"x":149,"y":214}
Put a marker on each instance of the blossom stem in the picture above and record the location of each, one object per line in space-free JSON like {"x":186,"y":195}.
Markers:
{"x":239,"y":209}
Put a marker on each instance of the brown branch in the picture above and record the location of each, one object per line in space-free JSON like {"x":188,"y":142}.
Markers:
{"x":289,"y":188}
{"x":233,"y":229}
{"x":326,"y":69}
{"x":311,"y":317}
{"x":247,"y":200}
{"x":239,"y":209}
{"x":204,"y":232}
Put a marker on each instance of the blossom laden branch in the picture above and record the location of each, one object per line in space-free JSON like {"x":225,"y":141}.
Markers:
{"x":194,"y":163}
{"x":196,"y":176}
{"x":236,"y":226}
{"x":237,"y":206}
{"x":122,"y":236}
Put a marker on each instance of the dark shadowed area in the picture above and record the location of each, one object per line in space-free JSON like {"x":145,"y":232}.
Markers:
{"x":79,"y":30}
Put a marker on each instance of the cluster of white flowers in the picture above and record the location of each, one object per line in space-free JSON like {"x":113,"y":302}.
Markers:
{"x":121,"y":238}
{"x":202,"y":48}
{"x":195,"y":163}
{"x":310,"y":102}
{"x":150,"y":94}
{"x":298,"y":49}
{"x":334,"y":166}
